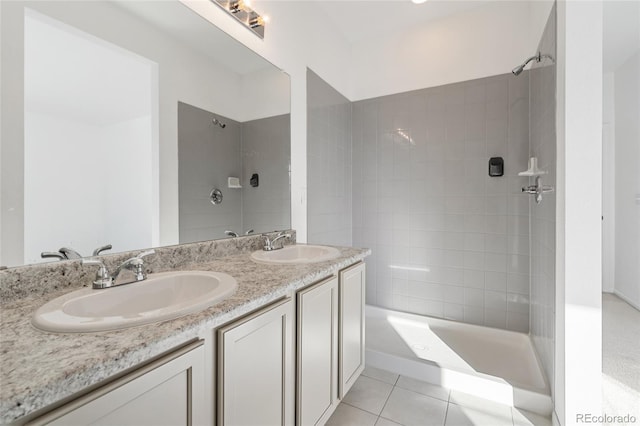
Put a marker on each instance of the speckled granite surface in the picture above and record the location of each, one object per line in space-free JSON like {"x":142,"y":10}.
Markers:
{"x":39,"y":368}
{"x":43,"y":278}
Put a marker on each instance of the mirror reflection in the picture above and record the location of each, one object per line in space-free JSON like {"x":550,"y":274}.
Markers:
{"x":124,"y":118}
{"x":241,"y":162}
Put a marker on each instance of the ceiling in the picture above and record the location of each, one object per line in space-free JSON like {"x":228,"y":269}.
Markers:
{"x":361,"y":20}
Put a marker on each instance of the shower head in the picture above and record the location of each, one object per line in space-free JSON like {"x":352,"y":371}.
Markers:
{"x":518,"y":70}
{"x":218,"y":123}
{"x":538,"y":57}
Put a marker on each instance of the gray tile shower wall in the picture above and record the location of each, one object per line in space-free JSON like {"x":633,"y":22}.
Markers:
{"x":266,"y":152}
{"x":328,"y":164}
{"x":208,"y":155}
{"x":543,"y":220}
{"x":448,"y":240}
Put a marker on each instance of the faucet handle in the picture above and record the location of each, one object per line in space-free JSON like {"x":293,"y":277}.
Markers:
{"x":140,"y":273}
{"x":146,"y":253}
{"x":70,"y":253}
{"x":56,"y":254}
{"x":103,"y":278}
{"x":99,"y":250}
{"x":250,"y":231}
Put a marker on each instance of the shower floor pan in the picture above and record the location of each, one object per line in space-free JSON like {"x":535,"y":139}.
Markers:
{"x":494,"y":364}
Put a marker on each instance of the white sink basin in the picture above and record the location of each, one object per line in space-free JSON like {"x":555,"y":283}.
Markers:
{"x":161,"y":296}
{"x":296,"y":253}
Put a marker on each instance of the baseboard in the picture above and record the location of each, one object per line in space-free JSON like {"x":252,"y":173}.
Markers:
{"x":626,"y":299}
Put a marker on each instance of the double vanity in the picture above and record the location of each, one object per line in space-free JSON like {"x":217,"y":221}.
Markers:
{"x":219,"y":332}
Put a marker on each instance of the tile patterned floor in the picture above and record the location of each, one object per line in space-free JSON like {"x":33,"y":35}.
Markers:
{"x":381,"y":398}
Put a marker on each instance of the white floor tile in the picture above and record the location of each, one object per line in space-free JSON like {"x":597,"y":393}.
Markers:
{"x":386,"y":422}
{"x":379,"y":374}
{"x":346,"y":415}
{"x":411,"y":408}
{"x":525,"y":418}
{"x":458,"y":415}
{"x":424,"y":388}
{"x":368,"y":394}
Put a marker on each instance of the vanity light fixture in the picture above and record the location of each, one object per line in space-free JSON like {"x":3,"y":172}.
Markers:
{"x":240,"y":5}
{"x":419,"y":1}
{"x":243,"y":12}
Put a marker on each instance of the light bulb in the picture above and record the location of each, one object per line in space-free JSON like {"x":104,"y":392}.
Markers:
{"x":257,"y":22}
{"x":237,"y":6}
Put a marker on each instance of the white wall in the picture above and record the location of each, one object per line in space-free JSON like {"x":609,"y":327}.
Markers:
{"x":54,"y":181}
{"x":627,"y":180}
{"x":130,"y":189}
{"x":578,"y":364}
{"x":88,"y":145}
{"x":484,"y":41}
{"x":265,"y":93}
{"x":608,"y":183}
{"x":61,"y":192}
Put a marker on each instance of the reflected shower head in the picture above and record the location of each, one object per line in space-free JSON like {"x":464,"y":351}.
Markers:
{"x":218,"y":123}
{"x":538,"y":57}
{"x":518,"y":70}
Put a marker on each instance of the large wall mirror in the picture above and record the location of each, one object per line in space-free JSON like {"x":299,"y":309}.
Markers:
{"x":137,"y":124}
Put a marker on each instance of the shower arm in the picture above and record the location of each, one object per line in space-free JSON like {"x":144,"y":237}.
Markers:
{"x":538,"y":58}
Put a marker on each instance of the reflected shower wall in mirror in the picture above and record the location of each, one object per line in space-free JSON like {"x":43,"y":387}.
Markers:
{"x":89,"y":125}
{"x":214,"y":149}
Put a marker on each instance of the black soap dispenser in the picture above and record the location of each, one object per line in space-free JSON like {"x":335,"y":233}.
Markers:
{"x":496,"y":166}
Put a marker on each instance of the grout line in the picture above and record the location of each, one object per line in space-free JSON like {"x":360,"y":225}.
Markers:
{"x":446,"y":413}
{"x":387,"y":400}
{"x":361,"y":409}
{"x":387,"y":419}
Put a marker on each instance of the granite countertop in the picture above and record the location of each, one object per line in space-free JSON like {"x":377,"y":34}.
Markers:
{"x":39,"y":368}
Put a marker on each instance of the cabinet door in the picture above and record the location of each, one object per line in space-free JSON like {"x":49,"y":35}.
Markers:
{"x":352,"y":297}
{"x":256,"y":368}
{"x":169,"y":391}
{"x":317,"y":352}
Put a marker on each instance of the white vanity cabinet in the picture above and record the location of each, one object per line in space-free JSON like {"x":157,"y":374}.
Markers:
{"x":351,"y":326}
{"x":256,"y":368}
{"x":317,"y":359}
{"x":330,"y":324}
{"x":169,"y":391}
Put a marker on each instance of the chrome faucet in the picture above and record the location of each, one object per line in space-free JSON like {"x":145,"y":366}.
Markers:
{"x":268,"y":243}
{"x":133,"y":267}
{"x":56,"y":254}
{"x":249,"y":232}
{"x":70,"y":253}
{"x":66,"y":253}
{"x":99,"y":250}
{"x":231,"y":234}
